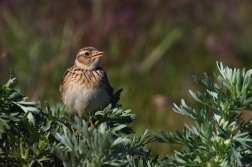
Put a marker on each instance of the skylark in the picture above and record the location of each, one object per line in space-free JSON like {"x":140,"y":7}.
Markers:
{"x":85,"y":88}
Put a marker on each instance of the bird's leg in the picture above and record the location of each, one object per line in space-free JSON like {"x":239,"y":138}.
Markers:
{"x":75,"y":131}
{"x":91,"y":125}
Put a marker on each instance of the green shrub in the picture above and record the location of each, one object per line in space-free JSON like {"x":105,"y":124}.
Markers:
{"x":220,"y":136}
{"x":31,"y":136}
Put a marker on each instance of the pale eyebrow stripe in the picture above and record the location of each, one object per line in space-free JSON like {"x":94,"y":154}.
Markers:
{"x":82,"y":52}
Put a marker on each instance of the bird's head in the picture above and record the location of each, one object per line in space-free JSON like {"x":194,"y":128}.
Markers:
{"x":88,"y":58}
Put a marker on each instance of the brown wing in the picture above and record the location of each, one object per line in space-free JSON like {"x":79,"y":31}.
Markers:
{"x":66,"y":77}
{"x":105,"y":81}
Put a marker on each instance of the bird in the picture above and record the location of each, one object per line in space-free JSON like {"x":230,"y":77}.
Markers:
{"x":85,"y":88}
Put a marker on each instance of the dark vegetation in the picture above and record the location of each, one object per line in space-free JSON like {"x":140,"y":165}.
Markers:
{"x":152,"y":49}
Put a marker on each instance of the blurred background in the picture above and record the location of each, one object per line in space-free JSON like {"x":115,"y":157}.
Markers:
{"x":152,"y":47}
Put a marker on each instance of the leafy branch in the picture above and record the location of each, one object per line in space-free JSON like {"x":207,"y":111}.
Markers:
{"x":32,"y":136}
{"x":220,"y":136}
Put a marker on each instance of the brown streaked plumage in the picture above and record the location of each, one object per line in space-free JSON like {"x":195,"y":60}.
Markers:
{"x":85,"y":86}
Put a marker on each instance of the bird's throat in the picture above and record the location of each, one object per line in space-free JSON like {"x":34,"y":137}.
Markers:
{"x":94,"y":65}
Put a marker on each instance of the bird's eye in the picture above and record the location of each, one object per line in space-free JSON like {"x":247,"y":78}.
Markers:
{"x":86,"y":53}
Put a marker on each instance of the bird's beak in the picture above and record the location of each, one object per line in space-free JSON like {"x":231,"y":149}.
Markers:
{"x":97,"y":55}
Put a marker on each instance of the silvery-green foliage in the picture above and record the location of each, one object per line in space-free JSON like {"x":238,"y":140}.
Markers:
{"x":32,"y":137}
{"x":97,"y":147}
{"x":116,"y":118}
{"x":220,"y":136}
{"x":143,"y":161}
{"x":23,"y":140}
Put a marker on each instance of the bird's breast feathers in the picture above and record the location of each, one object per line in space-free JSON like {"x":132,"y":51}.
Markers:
{"x":92,"y":83}
{"x":85,"y":78}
